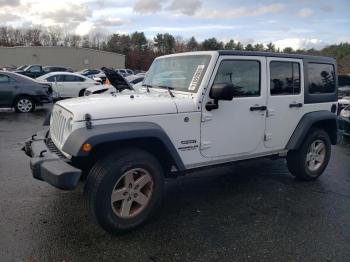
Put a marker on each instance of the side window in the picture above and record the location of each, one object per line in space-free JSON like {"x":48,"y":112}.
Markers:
{"x":244,"y":75}
{"x":321,"y":78}
{"x":60,"y":78}
{"x":72,"y":78}
{"x":284,"y":78}
{"x":35,"y":69}
{"x":51,"y":79}
{"x":4,"y":79}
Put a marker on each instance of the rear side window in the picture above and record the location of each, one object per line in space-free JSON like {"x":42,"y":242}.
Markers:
{"x":72,"y":78}
{"x":284,"y":78}
{"x":4,"y":79}
{"x":321,"y":78}
{"x":244,"y":75}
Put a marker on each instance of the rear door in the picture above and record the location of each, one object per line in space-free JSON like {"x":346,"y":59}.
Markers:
{"x":73,"y":85}
{"x":285,"y":100}
{"x":7,"y":90}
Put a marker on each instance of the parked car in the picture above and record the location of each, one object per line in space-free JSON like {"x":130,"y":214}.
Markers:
{"x":343,"y":102}
{"x":116,"y":83}
{"x":134,"y":79}
{"x":33,"y":71}
{"x":50,"y":69}
{"x":66,"y":84}
{"x":22,"y":93}
{"x":344,"y":120}
{"x":230,"y":106}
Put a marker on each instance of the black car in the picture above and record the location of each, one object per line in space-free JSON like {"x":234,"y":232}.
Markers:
{"x":32,"y":71}
{"x":50,"y":69}
{"x":22,"y":93}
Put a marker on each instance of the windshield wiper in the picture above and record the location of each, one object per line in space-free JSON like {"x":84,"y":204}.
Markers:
{"x":169,"y":90}
{"x":147,"y":86}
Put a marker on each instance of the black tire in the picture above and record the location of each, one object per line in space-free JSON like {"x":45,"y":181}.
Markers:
{"x":297,"y":159}
{"x":20,"y":103}
{"x":102,"y":180}
{"x":81,"y":93}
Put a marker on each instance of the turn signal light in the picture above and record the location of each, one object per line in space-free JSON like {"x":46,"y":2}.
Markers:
{"x":87,"y":147}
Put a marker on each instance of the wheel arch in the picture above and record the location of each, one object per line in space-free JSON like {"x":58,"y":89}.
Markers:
{"x":146,"y":136}
{"x":320,"y":119}
{"x":17,"y":96}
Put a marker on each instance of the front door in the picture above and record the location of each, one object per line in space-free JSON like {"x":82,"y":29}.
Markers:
{"x":285,"y":100}
{"x":237,"y":126}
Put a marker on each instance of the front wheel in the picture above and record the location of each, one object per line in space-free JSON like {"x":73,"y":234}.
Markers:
{"x":309,"y":162}
{"x":124,"y":189}
{"x":24,"y":104}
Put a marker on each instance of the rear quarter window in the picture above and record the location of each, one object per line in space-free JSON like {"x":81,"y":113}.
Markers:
{"x":321,"y":78}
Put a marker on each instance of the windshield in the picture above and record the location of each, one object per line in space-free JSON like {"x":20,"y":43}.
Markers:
{"x":182,"y":73}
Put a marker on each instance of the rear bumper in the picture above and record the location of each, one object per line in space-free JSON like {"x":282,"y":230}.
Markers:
{"x":49,"y":166}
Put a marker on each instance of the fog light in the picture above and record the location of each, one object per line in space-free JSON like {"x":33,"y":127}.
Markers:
{"x":87,"y":147}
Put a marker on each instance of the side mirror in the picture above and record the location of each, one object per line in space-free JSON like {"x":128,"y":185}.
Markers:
{"x":218,"y":92}
{"x":222,"y":91}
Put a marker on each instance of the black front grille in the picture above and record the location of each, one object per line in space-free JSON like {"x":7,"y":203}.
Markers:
{"x":53,"y":149}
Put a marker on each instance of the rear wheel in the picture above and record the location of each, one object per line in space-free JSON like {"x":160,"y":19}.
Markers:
{"x":24,"y":104}
{"x":309,"y":162}
{"x":124,"y":189}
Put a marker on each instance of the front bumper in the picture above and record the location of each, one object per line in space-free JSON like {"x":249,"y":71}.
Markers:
{"x":48,"y":164}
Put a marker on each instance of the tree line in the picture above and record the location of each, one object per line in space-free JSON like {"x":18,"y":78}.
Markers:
{"x":140,"y":51}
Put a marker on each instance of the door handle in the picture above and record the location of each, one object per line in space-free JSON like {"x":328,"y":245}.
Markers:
{"x":296,"y":105}
{"x":258,"y":108}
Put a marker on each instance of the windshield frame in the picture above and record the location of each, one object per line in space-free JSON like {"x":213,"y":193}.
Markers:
{"x":176,"y":89}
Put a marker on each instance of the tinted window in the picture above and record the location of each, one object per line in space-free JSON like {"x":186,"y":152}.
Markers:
{"x":59,"y":78}
{"x":51,"y":79}
{"x":243,"y":74}
{"x":321,"y":78}
{"x":284,"y":78}
{"x":4,"y":79}
{"x":35,"y":69}
{"x":343,"y":81}
{"x":72,"y":78}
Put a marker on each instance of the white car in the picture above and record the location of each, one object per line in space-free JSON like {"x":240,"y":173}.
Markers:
{"x":66,"y":85}
{"x":224,"y":106}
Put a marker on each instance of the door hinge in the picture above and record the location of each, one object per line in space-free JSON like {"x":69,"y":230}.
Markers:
{"x":267,"y":136}
{"x":205,"y":145}
{"x":207,"y":117}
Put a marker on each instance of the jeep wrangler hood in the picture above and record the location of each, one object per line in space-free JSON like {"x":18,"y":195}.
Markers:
{"x":127,"y":105}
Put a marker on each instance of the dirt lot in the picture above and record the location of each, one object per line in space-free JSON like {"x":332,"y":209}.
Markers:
{"x":251,"y":211}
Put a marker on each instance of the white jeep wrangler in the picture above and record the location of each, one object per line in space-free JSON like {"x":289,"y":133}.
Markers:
{"x":195,"y":110}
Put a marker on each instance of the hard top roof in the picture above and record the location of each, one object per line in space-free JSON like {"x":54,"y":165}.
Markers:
{"x":324,"y":59}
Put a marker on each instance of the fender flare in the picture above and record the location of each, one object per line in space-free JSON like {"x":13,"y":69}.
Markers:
{"x":101,"y":134}
{"x":306,"y":122}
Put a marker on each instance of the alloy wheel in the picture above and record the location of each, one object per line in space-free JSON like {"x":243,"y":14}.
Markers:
{"x":132,"y":193}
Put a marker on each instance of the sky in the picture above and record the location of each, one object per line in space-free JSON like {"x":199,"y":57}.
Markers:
{"x":295,"y":23}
